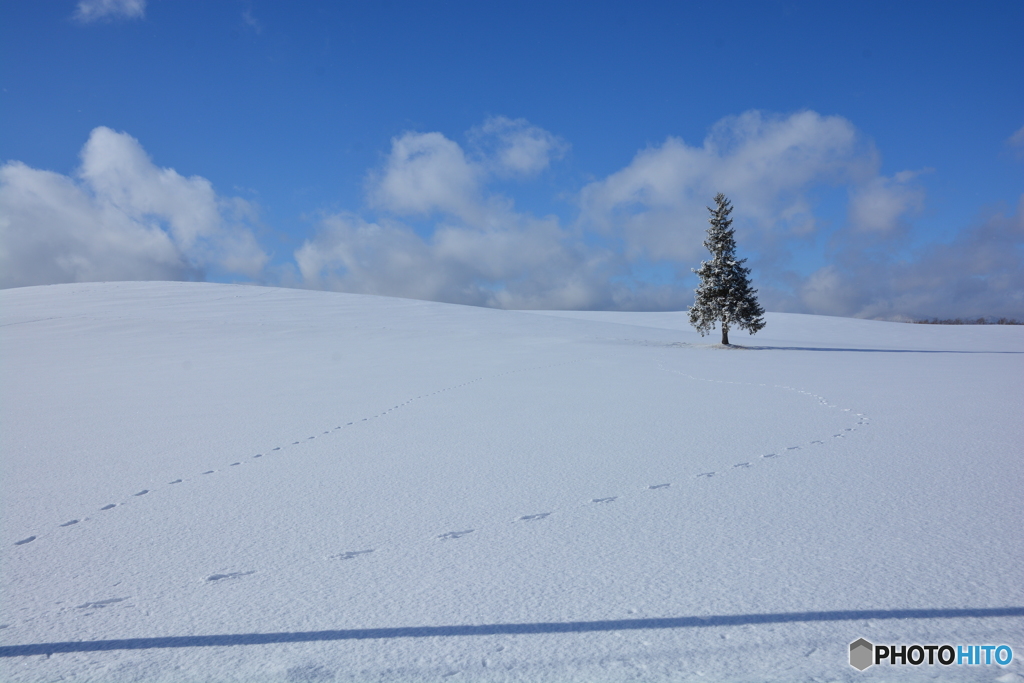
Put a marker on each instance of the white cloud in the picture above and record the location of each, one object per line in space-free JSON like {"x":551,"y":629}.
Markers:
{"x":250,"y":21}
{"x":766,"y":165}
{"x":427,"y":173}
{"x":638,"y":233}
{"x":882,"y":204}
{"x":93,"y":10}
{"x":1017,"y":142}
{"x":471,"y":246}
{"x":480,"y":250}
{"x":120,"y":218}
{"x":518,"y":263}
{"x":512,"y":147}
{"x":979,"y":273}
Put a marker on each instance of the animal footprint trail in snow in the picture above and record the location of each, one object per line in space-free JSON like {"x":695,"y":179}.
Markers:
{"x":296,"y":443}
{"x":232,"y":575}
{"x":100,"y":604}
{"x":352,"y":554}
{"x":458,"y":534}
{"x":453,"y":535}
{"x":533,"y":518}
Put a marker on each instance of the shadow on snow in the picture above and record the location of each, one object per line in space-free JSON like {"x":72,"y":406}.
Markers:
{"x":498,"y":629}
{"x":829,"y":348}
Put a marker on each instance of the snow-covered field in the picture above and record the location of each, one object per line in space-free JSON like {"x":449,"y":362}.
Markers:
{"x":254,"y":484}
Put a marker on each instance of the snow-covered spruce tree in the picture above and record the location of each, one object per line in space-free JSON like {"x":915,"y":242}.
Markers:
{"x":724,"y":295}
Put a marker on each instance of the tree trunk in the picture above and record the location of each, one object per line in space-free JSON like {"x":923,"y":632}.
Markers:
{"x":725,"y":334}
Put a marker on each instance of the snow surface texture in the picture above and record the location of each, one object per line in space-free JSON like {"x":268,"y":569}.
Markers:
{"x":254,"y":484}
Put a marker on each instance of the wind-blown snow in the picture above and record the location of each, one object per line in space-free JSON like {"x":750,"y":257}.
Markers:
{"x":504,"y":496}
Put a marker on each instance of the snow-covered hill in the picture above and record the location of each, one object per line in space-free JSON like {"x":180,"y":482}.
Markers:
{"x":255,"y":477}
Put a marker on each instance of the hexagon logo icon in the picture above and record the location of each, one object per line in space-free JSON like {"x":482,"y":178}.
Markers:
{"x":861,"y":654}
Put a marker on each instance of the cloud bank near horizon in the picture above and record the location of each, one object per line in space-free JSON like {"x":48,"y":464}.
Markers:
{"x":436,"y":226}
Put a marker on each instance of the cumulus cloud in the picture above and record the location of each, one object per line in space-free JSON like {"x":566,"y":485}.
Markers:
{"x":427,"y":173}
{"x":513,"y":147}
{"x":765,"y":164}
{"x":93,"y":10}
{"x":440,"y":230}
{"x":478,"y":250}
{"x":119,"y":217}
{"x":516,"y":263}
{"x":640,"y":229}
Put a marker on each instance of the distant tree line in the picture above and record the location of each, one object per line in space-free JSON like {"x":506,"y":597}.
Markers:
{"x":966,"y":321}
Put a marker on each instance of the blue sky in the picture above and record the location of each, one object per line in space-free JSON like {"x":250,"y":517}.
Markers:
{"x":521,"y":155}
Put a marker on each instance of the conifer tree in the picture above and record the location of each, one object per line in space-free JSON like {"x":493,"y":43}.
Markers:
{"x":724,"y":295}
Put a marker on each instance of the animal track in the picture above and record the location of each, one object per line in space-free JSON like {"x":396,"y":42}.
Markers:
{"x":295,"y":443}
{"x":232,"y":575}
{"x":351,"y":554}
{"x":100,"y":604}
{"x":451,"y":535}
